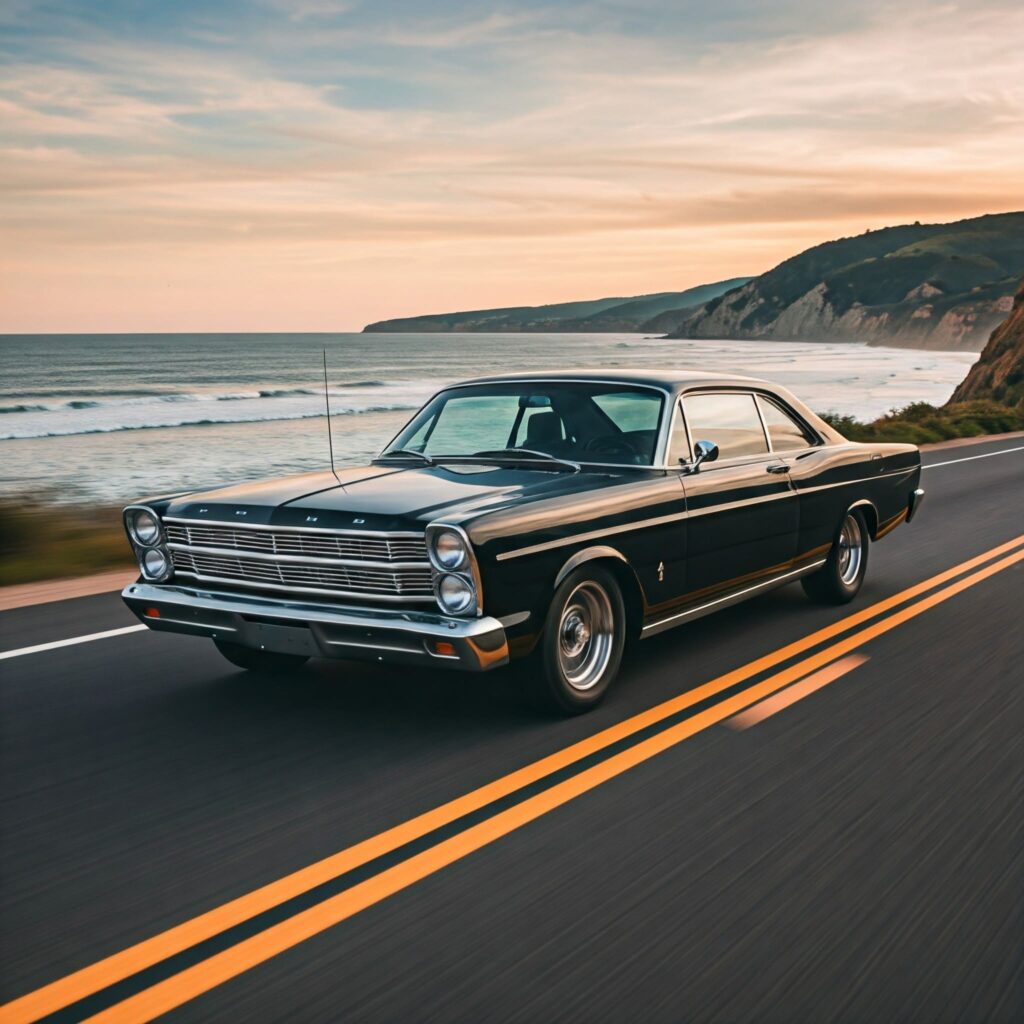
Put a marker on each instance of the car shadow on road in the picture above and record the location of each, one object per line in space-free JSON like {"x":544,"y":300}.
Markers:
{"x":326,"y":694}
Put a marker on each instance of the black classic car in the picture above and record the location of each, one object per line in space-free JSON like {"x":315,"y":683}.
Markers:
{"x":553,"y":516}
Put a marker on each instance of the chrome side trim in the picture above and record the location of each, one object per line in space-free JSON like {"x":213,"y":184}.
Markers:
{"x":642,"y":524}
{"x":711,"y":510}
{"x":850,"y":483}
{"x":533,"y":549}
{"x":579,"y":538}
{"x":734,"y":598}
{"x":235,"y":524}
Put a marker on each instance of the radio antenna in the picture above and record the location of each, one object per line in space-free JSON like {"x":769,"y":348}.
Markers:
{"x":327,"y":402}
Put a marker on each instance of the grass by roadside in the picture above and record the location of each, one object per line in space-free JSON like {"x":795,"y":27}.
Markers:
{"x":921,"y":423}
{"x":40,"y":541}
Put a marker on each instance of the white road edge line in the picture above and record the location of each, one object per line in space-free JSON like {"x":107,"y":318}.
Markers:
{"x":71,"y":641}
{"x":971,"y":458}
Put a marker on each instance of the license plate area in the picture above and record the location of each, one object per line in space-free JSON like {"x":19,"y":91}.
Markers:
{"x":285,"y":639}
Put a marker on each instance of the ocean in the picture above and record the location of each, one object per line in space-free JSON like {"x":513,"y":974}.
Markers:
{"x":114,"y":417}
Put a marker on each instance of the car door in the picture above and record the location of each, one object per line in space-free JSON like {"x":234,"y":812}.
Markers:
{"x":742,"y":511}
{"x":827,"y":478}
{"x":811,"y":465}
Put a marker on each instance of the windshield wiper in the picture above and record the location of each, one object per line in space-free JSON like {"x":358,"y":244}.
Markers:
{"x":525,"y":455}
{"x":404,"y":453}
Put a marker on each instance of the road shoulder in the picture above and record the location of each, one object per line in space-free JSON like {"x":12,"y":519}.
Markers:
{"x":45,"y":591}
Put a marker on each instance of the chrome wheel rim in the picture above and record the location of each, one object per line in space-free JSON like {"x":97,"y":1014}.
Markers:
{"x":585,"y":635}
{"x":851,"y":550}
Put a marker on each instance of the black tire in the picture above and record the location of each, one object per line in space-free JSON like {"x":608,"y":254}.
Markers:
{"x":577,"y":662}
{"x":840,"y":578}
{"x":264,"y":662}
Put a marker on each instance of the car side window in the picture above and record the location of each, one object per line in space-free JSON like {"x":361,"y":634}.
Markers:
{"x":729,"y":420}
{"x":786,"y":434}
{"x":678,"y":443}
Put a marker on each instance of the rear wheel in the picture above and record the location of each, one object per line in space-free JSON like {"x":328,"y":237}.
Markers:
{"x":265,"y":662}
{"x":584,"y":635}
{"x":839,"y":579}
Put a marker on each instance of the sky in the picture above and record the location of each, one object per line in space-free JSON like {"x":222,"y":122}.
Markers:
{"x":319,"y":164}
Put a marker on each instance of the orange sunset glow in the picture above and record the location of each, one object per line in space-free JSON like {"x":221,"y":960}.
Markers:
{"x":316,"y":166}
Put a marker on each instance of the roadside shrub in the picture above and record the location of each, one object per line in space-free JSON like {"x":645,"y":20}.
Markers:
{"x":921,"y":423}
{"x":41,"y":541}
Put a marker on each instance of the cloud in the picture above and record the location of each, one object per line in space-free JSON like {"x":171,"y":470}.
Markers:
{"x":330,"y":134}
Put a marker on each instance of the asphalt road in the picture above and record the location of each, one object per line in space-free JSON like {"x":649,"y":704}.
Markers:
{"x":856,"y":856}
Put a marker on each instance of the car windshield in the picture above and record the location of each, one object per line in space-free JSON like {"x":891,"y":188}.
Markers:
{"x":528,"y":420}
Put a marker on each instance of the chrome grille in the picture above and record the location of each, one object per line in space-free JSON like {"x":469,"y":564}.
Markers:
{"x":377,"y":566}
{"x":373,"y":548}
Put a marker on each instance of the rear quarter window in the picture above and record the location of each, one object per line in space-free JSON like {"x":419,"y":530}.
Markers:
{"x":786,"y":433}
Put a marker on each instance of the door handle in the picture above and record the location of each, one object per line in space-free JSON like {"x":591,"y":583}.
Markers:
{"x":778,"y":469}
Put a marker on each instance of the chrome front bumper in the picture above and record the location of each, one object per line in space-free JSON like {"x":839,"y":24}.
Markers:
{"x":317,"y":630}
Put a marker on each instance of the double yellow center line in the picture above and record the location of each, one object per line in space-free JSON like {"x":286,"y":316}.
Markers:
{"x":198,"y":977}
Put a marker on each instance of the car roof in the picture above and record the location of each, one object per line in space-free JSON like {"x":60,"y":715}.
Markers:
{"x":666,"y":379}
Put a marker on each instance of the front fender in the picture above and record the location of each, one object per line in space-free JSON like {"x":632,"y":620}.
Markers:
{"x":589,"y":555}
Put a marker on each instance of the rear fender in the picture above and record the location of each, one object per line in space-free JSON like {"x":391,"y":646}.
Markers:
{"x":870,"y":513}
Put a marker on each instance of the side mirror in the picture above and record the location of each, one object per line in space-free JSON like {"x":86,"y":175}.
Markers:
{"x":703,"y":451}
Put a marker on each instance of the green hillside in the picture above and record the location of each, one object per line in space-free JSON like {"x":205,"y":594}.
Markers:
{"x":594,"y":315}
{"x":929,"y":285}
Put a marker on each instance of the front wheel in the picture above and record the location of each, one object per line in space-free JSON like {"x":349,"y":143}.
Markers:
{"x":839,"y":579}
{"x":265,"y":662}
{"x":584,"y":636}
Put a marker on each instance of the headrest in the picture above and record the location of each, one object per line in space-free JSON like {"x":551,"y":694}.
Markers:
{"x":543,"y":428}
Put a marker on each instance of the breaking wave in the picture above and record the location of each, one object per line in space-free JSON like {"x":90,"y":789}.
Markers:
{"x":285,"y":392}
{"x":67,"y":429}
{"x":4,"y":409}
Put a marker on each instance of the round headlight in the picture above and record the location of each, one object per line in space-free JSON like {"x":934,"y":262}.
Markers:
{"x":154,"y":563}
{"x":455,"y":594}
{"x":145,"y":527}
{"x":449,"y":549}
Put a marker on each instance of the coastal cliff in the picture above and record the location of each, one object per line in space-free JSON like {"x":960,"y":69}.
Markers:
{"x":939,"y":286}
{"x":999,"y":374}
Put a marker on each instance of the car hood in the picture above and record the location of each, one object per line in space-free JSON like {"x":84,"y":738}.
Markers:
{"x":388,"y":497}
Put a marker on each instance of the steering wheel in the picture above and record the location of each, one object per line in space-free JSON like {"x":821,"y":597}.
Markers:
{"x":609,"y":444}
